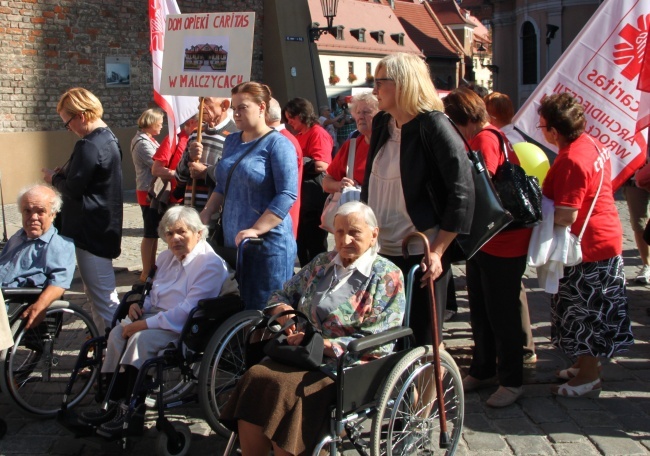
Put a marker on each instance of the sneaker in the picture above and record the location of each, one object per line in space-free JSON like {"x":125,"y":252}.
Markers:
{"x":530,"y":358}
{"x":471,"y":384}
{"x":100,"y":416}
{"x":644,"y":275}
{"x":114,"y":428}
{"x":504,"y":396}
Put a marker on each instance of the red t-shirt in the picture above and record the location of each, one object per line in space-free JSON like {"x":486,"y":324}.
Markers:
{"x":294,"y":212}
{"x":572,"y":182}
{"x":336,"y":169}
{"x":170,"y":160}
{"x":316,"y":143}
{"x":509,"y":243}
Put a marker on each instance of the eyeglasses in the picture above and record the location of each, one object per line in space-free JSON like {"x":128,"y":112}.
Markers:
{"x":67,"y":124}
{"x":538,"y":126}
{"x":379,"y":81}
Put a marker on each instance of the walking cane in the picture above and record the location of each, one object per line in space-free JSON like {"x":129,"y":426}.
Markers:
{"x":198,"y":140}
{"x":444,"y":435}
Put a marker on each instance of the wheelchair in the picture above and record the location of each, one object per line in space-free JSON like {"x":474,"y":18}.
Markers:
{"x":408,"y":402}
{"x":34,"y":372}
{"x":166,"y":381}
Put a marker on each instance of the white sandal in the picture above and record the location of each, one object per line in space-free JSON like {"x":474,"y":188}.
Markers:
{"x":570,"y":372}
{"x":591,"y":389}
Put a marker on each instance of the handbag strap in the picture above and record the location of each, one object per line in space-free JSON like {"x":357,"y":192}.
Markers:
{"x":502,"y":143}
{"x":297,"y":316}
{"x":349,"y":169}
{"x":593,"y":203}
{"x":250,"y":148}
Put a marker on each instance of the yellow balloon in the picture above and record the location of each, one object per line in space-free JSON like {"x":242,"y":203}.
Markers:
{"x":532,"y":159}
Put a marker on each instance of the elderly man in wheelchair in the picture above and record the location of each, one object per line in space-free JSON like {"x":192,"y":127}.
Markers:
{"x":357,"y":300}
{"x":36,"y":267}
{"x":37,"y":256}
{"x":187,"y":272}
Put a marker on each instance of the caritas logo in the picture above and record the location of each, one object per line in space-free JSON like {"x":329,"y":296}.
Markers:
{"x":630,"y":53}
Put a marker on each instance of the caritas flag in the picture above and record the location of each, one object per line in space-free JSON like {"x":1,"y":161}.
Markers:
{"x":178,"y":109}
{"x":601,"y":69}
{"x":643,"y":120}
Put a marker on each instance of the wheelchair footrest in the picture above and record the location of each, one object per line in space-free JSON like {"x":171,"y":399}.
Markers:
{"x":71,"y":422}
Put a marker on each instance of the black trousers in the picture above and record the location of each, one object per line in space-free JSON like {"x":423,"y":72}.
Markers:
{"x":493,"y":287}
{"x":420,"y":314}
{"x":311,"y":239}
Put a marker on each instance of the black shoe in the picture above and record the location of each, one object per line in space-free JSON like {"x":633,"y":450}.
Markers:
{"x":114,"y":428}
{"x":100,"y":416}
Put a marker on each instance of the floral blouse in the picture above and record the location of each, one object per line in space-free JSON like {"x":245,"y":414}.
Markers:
{"x":375,"y":307}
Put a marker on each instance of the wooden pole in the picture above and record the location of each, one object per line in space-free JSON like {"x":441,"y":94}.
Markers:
{"x":198,"y":140}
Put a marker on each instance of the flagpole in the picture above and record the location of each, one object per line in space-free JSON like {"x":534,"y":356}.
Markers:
{"x":198,"y":140}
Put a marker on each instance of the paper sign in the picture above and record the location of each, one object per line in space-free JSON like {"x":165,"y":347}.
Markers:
{"x":207,"y":54}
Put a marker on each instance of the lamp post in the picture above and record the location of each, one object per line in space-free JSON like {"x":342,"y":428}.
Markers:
{"x":329,"y":8}
{"x":494,"y":69}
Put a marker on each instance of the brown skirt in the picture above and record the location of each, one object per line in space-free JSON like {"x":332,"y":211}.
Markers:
{"x":292,"y":406}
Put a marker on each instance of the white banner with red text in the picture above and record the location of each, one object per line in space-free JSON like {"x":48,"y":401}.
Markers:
{"x":601,"y":69}
{"x":207,"y":54}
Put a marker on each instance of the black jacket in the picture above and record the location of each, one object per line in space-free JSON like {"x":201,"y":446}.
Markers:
{"x":436,"y":180}
{"x":91,"y":185}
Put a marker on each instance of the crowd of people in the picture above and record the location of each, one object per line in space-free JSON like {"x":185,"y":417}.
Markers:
{"x":257,"y":177}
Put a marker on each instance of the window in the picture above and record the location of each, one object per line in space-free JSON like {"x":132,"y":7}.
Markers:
{"x":529,"y":54}
{"x":368,"y":68}
{"x":378,"y":35}
{"x":398,"y":38}
{"x":350,"y":67}
{"x":359,"y":34}
{"x":339,"y":32}
{"x":332,"y":68}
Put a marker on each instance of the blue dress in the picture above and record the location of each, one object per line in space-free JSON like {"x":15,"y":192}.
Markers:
{"x":267,"y":178}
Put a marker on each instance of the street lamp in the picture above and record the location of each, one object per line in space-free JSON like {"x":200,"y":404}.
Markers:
{"x":329,"y":8}
{"x":481,"y":50}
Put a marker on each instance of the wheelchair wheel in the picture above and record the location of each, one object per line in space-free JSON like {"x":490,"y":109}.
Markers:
{"x":35,"y":371}
{"x":407,"y":420}
{"x":164,"y":445}
{"x":222,"y":365}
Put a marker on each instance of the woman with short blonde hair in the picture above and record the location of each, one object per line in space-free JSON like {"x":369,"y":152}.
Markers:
{"x":79,"y":100}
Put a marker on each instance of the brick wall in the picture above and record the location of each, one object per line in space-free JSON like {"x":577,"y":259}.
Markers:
{"x":48,"y":46}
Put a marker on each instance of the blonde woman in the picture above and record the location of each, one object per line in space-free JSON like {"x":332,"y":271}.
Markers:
{"x":91,"y":185}
{"x":416,"y":186}
{"x":143,"y":148}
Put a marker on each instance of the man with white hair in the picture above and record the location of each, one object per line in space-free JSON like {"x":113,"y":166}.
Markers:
{"x":199,"y":161}
{"x":37,"y":256}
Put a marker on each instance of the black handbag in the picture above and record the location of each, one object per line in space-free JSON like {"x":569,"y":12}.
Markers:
{"x":217,"y":241}
{"x":520,"y":194}
{"x":489,"y":218}
{"x":308,"y":355}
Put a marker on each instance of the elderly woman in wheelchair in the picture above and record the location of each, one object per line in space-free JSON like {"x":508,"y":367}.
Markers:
{"x":187,"y":272}
{"x":349,"y":293}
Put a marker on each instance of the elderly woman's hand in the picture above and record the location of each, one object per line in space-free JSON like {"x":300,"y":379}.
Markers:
{"x":133,"y":328}
{"x":282,"y":320}
{"x":48,"y":174}
{"x":346,"y":182}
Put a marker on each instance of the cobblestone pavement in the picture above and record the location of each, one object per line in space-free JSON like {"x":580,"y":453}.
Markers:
{"x":618,"y":423}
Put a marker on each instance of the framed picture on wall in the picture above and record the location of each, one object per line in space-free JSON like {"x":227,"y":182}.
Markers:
{"x":118,"y":71}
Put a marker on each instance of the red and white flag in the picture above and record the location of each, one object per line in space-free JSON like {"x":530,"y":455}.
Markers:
{"x":643,"y":121}
{"x":178,"y":108}
{"x":604,"y":69}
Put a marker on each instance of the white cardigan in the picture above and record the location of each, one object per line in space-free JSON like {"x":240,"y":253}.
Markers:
{"x":548,"y":247}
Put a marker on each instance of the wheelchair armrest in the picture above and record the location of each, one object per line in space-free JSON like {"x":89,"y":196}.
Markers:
{"x":32,"y":291}
{"x":377,"y":340}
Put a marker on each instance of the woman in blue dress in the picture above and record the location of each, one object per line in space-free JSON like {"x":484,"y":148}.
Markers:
{"x":262,"y":188}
